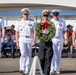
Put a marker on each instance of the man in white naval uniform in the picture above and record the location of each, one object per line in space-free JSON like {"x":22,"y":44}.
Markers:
{"x":25,"y":30}
{"x":61,"y":30}
{"x":74,"y":35}
{"x":2,"y":31}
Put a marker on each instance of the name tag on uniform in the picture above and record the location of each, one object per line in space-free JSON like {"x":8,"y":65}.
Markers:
{"x":29,"y":24}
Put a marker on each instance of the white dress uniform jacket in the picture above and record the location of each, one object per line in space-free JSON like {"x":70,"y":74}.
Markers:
{"x":25,"y":29}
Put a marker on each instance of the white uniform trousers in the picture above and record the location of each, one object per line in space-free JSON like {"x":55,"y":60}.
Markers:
{"x":57,"y":48}
{"x":25,"y":59}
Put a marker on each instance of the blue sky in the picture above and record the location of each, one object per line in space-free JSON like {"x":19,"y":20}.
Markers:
{"x":36,"y":13}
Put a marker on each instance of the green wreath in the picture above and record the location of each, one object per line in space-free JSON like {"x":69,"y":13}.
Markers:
{"x":45,"y":37}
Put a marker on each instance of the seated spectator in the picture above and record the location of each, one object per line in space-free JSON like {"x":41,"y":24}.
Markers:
{"x":13,"y":37}
{"x":70,"y":40}
{"x":8,"y":43}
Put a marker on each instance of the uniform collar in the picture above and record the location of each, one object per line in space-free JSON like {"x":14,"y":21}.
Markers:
{"x":25,"y":20}
{"x":56,"y":20}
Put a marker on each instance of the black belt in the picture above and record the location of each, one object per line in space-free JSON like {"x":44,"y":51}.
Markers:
{"x":26,"y":36}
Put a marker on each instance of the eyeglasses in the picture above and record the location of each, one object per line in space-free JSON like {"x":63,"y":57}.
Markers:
{"x":45,"y":15}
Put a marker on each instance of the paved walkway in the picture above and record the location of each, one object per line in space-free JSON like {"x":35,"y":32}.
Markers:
{"x":9,"y":66}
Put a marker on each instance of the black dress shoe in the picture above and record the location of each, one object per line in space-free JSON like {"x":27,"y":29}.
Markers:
{"x":13,"y":56}
{"x":6,"y":56}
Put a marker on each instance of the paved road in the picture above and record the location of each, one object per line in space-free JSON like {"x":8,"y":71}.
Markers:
{"x":9,"y":66}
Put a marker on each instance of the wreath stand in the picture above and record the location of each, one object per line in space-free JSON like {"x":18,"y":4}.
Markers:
{"x":35,"y":63}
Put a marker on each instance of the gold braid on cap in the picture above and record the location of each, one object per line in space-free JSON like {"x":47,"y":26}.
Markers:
{"x":46,"y":12}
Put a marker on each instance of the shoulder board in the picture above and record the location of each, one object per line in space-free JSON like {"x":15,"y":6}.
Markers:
{"x":19,"y":19}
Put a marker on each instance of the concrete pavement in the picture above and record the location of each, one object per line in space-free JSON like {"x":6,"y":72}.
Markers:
{"x":9,"y":66}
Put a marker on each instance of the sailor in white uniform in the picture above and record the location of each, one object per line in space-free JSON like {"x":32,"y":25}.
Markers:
{"x":74,"y":35}
{"x":61,"y":30}
{"x":2,"y":33}
{"x":25,"y":30}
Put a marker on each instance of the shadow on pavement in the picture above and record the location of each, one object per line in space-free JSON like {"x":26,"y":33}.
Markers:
{"x":10,"y":71}
{"x":68,"y":71}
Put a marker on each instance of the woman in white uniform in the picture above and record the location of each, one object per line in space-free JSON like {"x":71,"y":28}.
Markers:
{"x":25,"y":30}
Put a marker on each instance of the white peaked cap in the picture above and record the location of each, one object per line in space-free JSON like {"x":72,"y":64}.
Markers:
{"x":55,"y":10}
{"x":24,"y":9}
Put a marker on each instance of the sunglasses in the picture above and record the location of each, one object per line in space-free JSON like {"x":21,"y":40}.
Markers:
{"x":25,"y":14}
{"x":45,"y":15}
